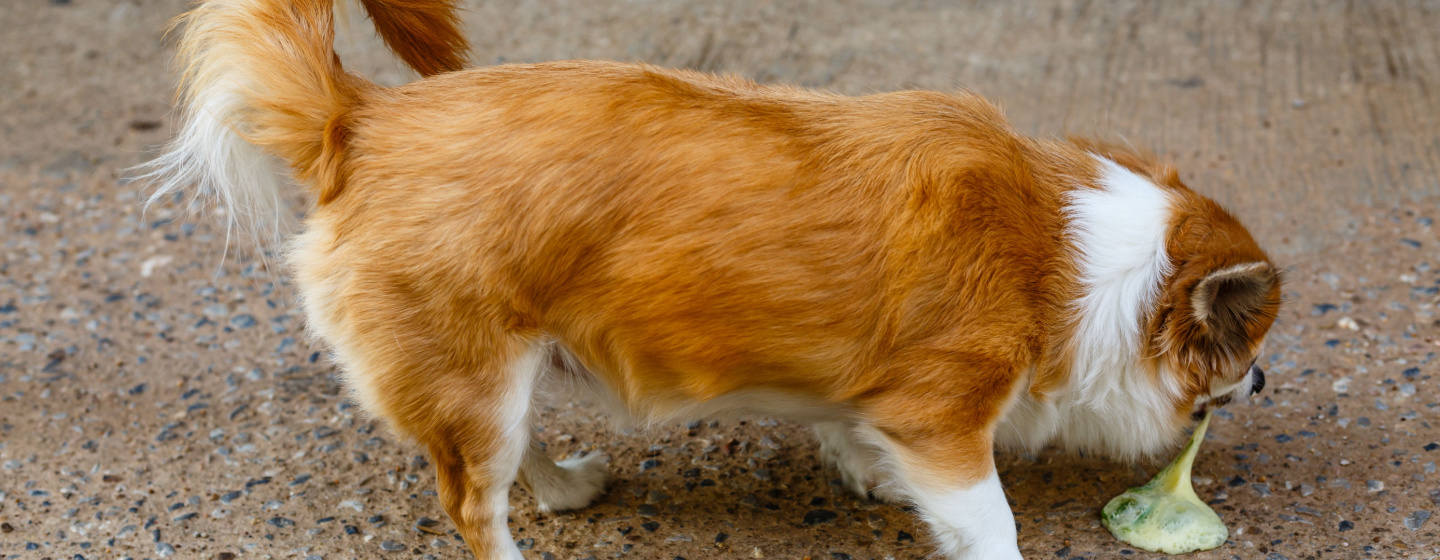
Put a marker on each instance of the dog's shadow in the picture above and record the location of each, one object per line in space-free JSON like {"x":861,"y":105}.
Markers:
{"x":757,"y":484}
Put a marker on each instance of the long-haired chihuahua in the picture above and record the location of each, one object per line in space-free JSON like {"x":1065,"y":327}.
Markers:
{"x":902,"y":271}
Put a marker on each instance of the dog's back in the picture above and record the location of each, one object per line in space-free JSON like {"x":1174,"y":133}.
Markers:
{"x":622,"y":208}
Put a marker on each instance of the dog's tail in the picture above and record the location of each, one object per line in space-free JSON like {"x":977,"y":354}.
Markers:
{"x":260,"y":81}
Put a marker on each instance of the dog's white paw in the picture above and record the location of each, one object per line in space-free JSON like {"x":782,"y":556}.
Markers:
{"x":888,"y":493}
{"x":573,"y":484}
{"x":855,"y":477}
{"x":838,"y":449}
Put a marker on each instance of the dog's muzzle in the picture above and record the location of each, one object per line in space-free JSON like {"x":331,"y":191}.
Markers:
{"x":1257,"y":384}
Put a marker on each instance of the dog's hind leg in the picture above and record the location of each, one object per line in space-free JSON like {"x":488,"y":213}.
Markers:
{"x":478,"y":445}
{"x":569,"y":484}
{"x":472,"y":411}
{"x":856,"y":461}
{"x":838,"y":449}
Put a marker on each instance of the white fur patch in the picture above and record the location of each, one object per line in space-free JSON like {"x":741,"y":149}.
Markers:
{"x":968,"y":522}
{"x":972,"y":523}
{"x":1119,"y":233}
{"x":239,"y":178}
{"x":513,"y":415}
{"x":1112,"y":403}
{"x":858,"y":463}
{"x":569,"y":484}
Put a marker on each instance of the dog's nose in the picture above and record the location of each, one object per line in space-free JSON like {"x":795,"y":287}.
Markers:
{"x":1258,"y":375}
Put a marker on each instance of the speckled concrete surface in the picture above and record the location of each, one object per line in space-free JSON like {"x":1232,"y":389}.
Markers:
{"x":158,"y":398}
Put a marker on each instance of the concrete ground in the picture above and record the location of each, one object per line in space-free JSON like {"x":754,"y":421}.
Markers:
{"x":159,"y":400}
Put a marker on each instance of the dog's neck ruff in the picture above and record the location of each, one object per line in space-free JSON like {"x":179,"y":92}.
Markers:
{"x":1111,"y":403}
{"x":1119,"y":233}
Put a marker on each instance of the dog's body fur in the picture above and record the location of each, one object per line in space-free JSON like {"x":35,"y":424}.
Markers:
{"x":903,"y":270}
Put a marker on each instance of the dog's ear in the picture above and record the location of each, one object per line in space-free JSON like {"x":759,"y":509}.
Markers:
{"x":1230,"y":299}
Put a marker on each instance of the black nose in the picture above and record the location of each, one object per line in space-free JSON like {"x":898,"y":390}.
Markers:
{"x":1259,"y":376}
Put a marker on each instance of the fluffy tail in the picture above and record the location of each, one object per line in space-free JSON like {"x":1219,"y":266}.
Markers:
{"x":261,"y":82}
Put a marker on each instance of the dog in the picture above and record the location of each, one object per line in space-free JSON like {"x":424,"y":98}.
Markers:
{"x":903,"y":271}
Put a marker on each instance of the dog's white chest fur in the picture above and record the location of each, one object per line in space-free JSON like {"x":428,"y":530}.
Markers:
{"x":1111,"y":403}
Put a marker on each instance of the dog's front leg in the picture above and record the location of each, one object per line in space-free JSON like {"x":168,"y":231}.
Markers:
{"x":960,"y":498}
{"x":970,"y":522}
{"x":936,"y":435}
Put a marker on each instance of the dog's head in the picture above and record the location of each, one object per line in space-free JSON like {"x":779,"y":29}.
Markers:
{"x":1210,"y":321}
{"x":1176,"y":300}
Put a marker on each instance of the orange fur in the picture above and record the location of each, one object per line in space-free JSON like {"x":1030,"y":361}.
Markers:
{"x":424,"y":33}
{"x":901,"y":258}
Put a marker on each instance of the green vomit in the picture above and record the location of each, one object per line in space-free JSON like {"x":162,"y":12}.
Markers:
{"x":1165,"y":515}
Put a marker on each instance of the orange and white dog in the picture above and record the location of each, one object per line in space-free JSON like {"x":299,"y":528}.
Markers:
{"x":903,"y":271}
